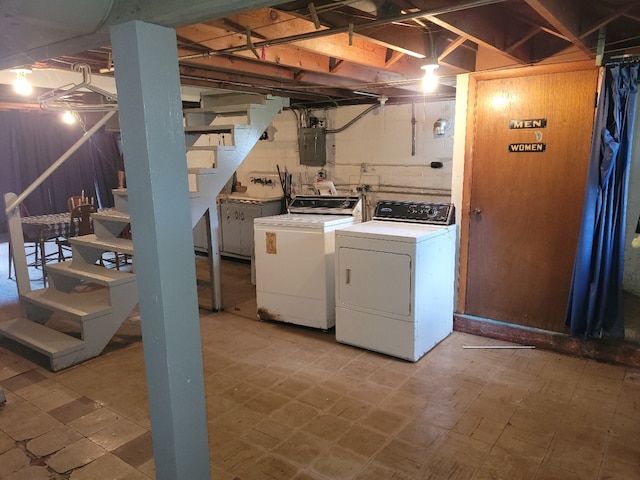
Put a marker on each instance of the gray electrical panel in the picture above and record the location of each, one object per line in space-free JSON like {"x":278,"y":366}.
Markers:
{"x":312,"y":145}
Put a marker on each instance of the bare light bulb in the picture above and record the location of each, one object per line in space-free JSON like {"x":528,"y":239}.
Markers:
{"x":21,"y":85}
{"x":430,"y":79}
{"x":68,"y":118}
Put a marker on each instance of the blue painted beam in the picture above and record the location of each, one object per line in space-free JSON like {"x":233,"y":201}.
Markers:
{"x":148,"y":85}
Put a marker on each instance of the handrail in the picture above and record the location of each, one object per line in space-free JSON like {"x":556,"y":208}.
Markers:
{"x":49,"y":99}
{"x":54,"y":166}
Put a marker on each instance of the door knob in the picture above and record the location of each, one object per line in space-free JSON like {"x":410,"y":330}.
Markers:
{"x":477,"y":211}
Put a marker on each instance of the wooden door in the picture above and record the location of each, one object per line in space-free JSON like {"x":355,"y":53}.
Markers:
{"x":530,"y":153}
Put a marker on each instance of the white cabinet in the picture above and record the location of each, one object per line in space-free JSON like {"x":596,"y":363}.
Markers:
{"x":236,"y":224}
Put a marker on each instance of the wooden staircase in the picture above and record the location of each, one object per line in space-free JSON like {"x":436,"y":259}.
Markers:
{"x":219,"y":135}
{"x":94,"y":298}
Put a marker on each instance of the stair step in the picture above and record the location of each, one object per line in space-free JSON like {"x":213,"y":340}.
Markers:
{"x":120,"y":245}
{"x":121,"y":200}
{"x":209,"y":129}
{"x":92,"y":273}
{"x":231,"y":99}
{"x":111,"y":215}
{"x":226,"y":110}
{"x":204,"y":171}
{"x":92,"y":302}
{"x":211,"y":148}
{"x":40,"y":338}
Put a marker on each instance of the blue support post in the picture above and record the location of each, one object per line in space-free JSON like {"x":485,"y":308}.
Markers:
{"x":148,"y":83}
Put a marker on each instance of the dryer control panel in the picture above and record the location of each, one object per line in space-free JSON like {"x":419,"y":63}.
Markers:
{"x":415,"y":212}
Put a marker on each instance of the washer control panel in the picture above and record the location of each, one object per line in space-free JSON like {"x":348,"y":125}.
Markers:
{"x":326,"y":205}
{"x":415,"y":212}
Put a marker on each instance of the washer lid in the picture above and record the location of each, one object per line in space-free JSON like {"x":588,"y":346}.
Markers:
{"x":305,"y":221}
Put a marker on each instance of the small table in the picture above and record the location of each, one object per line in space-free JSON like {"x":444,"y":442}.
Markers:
{"x":58,"y":223}
{"x":41,"y":228}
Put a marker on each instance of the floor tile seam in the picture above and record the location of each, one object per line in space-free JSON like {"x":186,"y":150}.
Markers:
{"x":546,"y":460}
{"x":434,"y":451}
{"x":406,"y":421}
{"x":366,"y":460}
{"x":322,"y":452}
{"x":110,"y":425}
{"x":623,"y":413}
{"x":619,"y":384}
{"x":40,"y":410}
{"x":35,"y":400}
{"x":266,"y":455}
{"x":604,"y":457}
{"x":538,"y":462}
{"x":300,"y":429}
{"x":546,"y":447}
{"x":118,"y":415}
{"x":290,"y":397}
{"x":388,"y":440}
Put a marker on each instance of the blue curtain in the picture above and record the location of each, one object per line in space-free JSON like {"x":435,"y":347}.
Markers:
{"x":595,"y":298}
{"x":31,"y":141}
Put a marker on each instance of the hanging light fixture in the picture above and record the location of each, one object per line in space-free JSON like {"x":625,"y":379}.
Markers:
{"x":430,"y":79}
{"x":68,"y":117}
{"x":21,"y":85}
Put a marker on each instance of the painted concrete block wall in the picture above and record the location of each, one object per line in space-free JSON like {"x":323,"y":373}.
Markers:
{"x":631,"y":276}
{"x":376,"y":151}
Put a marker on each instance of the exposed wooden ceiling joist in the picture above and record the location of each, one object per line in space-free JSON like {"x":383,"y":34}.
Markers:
{"x":322,"y":51}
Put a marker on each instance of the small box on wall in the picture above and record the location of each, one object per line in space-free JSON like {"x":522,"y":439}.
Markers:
{"x":312,"y":146}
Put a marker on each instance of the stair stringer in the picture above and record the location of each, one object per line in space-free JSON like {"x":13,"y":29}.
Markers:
{"x":206,"y":184}
{"x":211,"y":181}
{"x":98,"y":332}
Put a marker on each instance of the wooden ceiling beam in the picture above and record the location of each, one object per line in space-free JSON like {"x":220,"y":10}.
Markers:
{"x":349,"y":74}
{"x":272,"y":25}
{"x":565,"y":16}
{"x":307,"y":85}
{"x":604,"y":21}
{"x":290,"y":56}
{"x":409,"y":38}
{"x":486,"y":27}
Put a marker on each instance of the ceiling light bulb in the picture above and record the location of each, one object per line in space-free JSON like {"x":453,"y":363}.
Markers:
{"x":430,"y":79}
{"x":21,"y":85}
{"x":68,"y":118}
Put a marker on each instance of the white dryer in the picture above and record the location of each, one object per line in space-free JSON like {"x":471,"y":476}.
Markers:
{"x":294,"y":259}
{"x":395,"y":279}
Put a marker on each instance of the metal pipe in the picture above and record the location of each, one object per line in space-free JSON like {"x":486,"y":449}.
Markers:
{"x":354,"y":120}
{"x":394,"y":165}
{"x":435,"y":193}
{"x":440,"y":192}
{"x":54,"y":166}
{"x":413,"y":129}
{"x":334,"y":31}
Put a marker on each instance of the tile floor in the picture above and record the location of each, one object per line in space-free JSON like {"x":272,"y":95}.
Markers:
{"x":288,"y":403}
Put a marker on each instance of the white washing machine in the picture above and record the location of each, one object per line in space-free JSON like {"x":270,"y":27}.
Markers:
{"x":395,"y":279}
{"x":294,"y":259}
